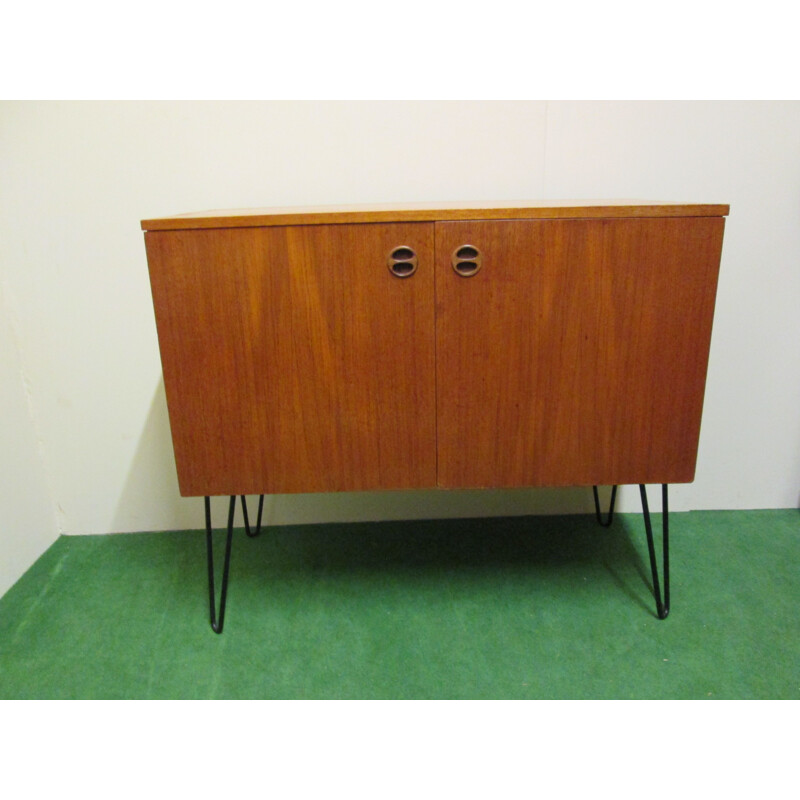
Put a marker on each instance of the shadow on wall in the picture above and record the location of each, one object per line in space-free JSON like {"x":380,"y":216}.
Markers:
{"x":151,"y":500}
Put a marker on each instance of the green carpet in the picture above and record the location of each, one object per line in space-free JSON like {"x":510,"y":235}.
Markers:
{"x":511,"y":608}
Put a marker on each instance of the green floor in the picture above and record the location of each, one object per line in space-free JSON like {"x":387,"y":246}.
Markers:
{"x":534,"y":607}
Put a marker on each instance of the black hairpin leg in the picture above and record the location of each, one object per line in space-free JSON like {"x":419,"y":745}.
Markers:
{"x":661,"y":608}
{"x":610,"y":516}
{"x":250,"y":533}
{"x":216,"y":623}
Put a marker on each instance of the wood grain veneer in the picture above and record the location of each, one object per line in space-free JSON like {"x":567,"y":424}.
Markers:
{"x":294,"y":361}
{"x":578,"y":354}
{"x":430,"y":212}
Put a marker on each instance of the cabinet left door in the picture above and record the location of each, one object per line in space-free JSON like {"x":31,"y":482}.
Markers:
{"x":294,"y":360}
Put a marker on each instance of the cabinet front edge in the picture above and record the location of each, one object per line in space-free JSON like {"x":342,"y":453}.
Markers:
{"x":257,"y":218}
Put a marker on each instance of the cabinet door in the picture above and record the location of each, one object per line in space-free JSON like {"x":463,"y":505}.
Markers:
{"x":577,"y":353}
{"x":294,"y":360}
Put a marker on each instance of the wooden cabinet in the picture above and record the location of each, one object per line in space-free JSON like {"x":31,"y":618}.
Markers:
{"x":296,"y":360}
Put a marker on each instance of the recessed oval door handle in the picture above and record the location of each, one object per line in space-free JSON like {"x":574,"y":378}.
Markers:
{"x":466,"y":260}
{"x":402,"y":261}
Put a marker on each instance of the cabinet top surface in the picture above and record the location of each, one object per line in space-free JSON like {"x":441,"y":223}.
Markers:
{"x":432,"y":212}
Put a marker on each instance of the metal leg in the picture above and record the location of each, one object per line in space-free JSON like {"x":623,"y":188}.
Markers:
{"x":610,"y":516}
{"x":661,"y":608}
{"x":247,"y":520}
{"x":216,"y":624}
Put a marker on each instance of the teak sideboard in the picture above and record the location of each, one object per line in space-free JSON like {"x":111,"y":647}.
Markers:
{"x":453,"y":346}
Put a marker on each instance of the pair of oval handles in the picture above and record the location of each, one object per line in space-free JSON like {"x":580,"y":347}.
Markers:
{"x":466,"y":261}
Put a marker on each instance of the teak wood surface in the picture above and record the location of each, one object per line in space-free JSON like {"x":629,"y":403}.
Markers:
{"x":577,"y":354}
{"x":294,"y":361}
{"x":430,"y":212}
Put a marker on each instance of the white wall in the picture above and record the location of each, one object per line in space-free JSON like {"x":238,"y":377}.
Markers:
{"x":77,"y":178}
{"x":27,"y":514}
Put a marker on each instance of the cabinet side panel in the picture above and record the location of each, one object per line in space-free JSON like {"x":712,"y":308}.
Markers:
{"x":577,"y":354}
{"x":293,"y":360}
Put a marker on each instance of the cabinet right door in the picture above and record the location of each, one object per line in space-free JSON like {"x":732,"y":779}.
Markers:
{"x":576,"y":354}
